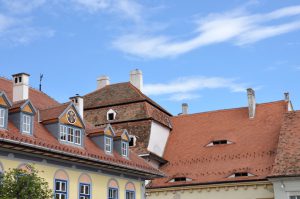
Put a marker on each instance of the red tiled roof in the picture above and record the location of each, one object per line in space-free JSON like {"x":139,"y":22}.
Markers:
{"x":38,"y":98}
{"x":42,"y":137}
{"x":253,"y":148}
{"x":53,"y":112}
{"x":287,"y":162}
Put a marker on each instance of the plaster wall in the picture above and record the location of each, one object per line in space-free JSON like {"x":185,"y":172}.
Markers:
{"x":158,"y":138}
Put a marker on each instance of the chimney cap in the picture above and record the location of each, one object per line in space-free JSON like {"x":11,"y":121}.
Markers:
{"x":76,"y":96}
{"x":184,"y":104}
{"x":18,"y":74}
{"x":103,"y":77}
{"x":135,"y":71}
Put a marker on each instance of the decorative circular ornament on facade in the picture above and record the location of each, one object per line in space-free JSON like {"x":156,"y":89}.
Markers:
{"x":71,"y":116}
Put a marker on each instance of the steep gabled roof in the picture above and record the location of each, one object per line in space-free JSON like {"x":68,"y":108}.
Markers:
{"x":287,"y":162}
{"x":116,"y":94}
{"x":252,"y":151}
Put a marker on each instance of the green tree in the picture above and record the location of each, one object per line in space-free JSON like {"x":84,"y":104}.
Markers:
{"x":22,"y":184}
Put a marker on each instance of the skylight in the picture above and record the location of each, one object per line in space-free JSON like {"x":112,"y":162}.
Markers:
{"x":240,"y":174}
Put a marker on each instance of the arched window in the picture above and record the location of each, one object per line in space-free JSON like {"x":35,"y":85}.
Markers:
{"x":85,"y":183}
{"x":113,"y":189}
{"x":130,"y":190}
{"x":61,"y":180}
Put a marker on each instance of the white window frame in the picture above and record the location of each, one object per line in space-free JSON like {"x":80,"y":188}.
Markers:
{"x":113,"y":193}
{"x":84,"y":194}
{"x":108,"y":144}
{"x":2,"y":117}
{"x":130,"y":194}
{"x":26,"y":126}
{"x":60,"y":192}
{"x":111,"y":112}
{"x":124,"y":149}
{"x":70,"y":135}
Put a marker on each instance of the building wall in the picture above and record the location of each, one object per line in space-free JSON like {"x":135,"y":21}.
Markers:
{"x":158,"y":138}
{"x":99,"y":184}
{"x":259,"y":190}
{"x":286,"y":187}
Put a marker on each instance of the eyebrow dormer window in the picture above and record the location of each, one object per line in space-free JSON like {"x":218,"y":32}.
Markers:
{"x":180,"y":179}
{"x":2,"y":117}
{"x":219,"y":142}
{"x":240,"y":174}
{"x":111,"y":115}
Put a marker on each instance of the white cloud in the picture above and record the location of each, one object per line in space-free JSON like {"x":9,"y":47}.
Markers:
{"x":236,"y":26}
{"x":5,"y":22}
{"x":21,"y":7}
{"x":93,"y":5}
{"x":185,"y":88}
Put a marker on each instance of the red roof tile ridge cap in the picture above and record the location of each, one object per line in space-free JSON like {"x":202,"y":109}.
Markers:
{"x":226,"y":109}
{"x":31,"y":88}
{"x":97,"y":90}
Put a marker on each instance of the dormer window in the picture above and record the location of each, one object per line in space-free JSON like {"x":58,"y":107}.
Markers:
{"x":132,"y":140}
{"x":240,"y":174}
{"x":27,"y":123}
{"x":181,"y":179}
{"x":70,"y":135}
{"x":2,"y":117}
{"x":108,"y":144}
{"x":219,"y":142}
{"x":111,"y":115}
{"x":124,"y":149}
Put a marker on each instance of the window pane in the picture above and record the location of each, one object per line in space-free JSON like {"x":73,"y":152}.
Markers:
{"x":57,"y":186}
{"x":2,"y":113}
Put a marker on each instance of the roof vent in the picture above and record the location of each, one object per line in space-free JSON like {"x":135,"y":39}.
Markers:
{"x":219,"y":142}
{"x":240,"y":174}
{"x":181,"y":179}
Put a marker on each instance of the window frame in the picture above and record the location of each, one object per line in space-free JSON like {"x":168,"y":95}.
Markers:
{"x":113,"y":189}
{"x":3,"y":117}
{"x":26,"y":123}
{"x":67,"y":134}
{"x":61,"y":192}
{"x":130,"y":192}
{"x":85,"y":195}
{"x":294,"y":197}
{"x":106,"y":138}
{"x":124,"y":149}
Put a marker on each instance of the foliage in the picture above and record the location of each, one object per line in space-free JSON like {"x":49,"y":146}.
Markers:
{"x":24,"y":184}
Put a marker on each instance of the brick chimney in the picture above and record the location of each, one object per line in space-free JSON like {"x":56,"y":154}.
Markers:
{"x":20,"y":86}
{"x":251,"y":102}
{"x":136,"y":79}
{"x":102,"y":82}
{"x":185,"y":109}
{"x":78,"y":102}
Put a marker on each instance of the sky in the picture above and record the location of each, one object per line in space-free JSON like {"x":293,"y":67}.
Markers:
{"x":204,"y":53}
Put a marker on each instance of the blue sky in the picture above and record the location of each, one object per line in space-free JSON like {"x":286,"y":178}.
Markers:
{"x":201,"y":52}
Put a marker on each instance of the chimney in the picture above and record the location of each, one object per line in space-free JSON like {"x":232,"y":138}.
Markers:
{"x":78,"y":102}
{"x":288,"y":100}
{"x":20,"y":86}
{"x":102,"y":82}
{"x":185,"y":109}
{"x":136,"y":79}
{"x":251,"y":102}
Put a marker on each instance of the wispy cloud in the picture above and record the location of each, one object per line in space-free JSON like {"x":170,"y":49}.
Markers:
{"x":237,"y":26}
{"x":186,"y":88}
{"x":93,"y":5}
{"x":21,"y":7}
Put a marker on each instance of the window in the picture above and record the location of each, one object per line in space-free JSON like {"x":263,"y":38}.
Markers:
{"x":132,"y":140}
{"x":240,"y":174}
{"x":26,"y":124}
{"x":70,"y":135}
{"x":180,"y":179}
{"x":61,"y":189}
{"x":295,"y":197}
{"x":130,"y":195}
{"x":125,"y":149}
{"x":108,"y":143}
{"x":111,"y":116}
{"x":219,"y":142}
{"x":2,"y":117}
{"x":84,"y":191}
{"x":112,"y":193}
{"x":63,"y":133}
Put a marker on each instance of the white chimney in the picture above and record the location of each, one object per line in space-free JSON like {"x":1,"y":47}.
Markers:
{"x":251,"y":102}
{"x":136,"y":79}
{"x":288,"y":100}
{"x":102,"y":82}
{"x":20,"y":86}
{"x":185,"y":109}
{"x":78,"y":102}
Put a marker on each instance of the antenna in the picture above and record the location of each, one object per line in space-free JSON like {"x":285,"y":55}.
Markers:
{"x":41,"y":78}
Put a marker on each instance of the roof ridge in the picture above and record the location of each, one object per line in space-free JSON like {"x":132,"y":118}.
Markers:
{"x":55,"y":106}
{"x":103,"y":88}
{"x":223,"y":110}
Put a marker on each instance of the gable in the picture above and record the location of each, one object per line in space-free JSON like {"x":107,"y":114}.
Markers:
{"x":4,"y":100}
{"x":27,"y":107}
{"x":71,"y":117}
{"x":125,"y":137}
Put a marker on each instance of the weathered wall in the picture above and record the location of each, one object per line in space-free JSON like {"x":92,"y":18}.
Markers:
{"x":286,"y":187}
{"x":158,"y":138}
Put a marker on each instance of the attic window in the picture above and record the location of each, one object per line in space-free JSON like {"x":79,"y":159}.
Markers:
{"x":2,"y":117}
{"x":180,"y":179}
{"x":111,"y":115}
{"x":219,"y":142}
{"x":132,"y":141}
{"x":240,"y":174}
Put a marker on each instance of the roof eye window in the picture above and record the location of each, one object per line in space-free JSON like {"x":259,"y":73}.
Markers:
{"x":240,"y":174}
{"x":219,"y":142}
{"x":132,"y":140}
{"x":111,"y":115}
{"x":180,"y":179}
